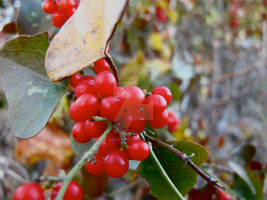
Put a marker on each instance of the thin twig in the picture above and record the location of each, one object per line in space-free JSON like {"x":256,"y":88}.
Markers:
{"x":185,"y":158}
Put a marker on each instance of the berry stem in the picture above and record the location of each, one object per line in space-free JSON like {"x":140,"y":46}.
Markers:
{"x":164,"y":174}
{"x":82,"y":162}
{"x":187,"y":161}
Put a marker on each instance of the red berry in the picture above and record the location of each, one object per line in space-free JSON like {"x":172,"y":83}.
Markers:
{"x":132,"y":98}
{"x":101,"y":65}
{"x":79,"y":134}
{"x":96,"y":167}
{"x":163,"y":91}
{"x":110,"y":108}
{"x":134,"y":121}
{"x":95,"y":128}
{"x":49,"y":6}
{"x":67,"y":5}
{"x":89,"y":78}
{"x":158,"y":120}
{"x":118,"y":91}
{"x":116,"y":164}
{"x":74,"y":191}
{"x":106,"y":84}
{"x":75,"y":79}
{"x":133,"y":138}
{"x":58,"y":19}
{"x":224,"y":195}
{"x":161,"y":15}
{"x":29,"y":191}
{"x":157,"y":102}
{"x":111,"y":142}
{"x":84,"y":108}
{"x":70,"y":12}
{"x":138,"y":150}
{"x":85,"y":87}
{"x":172,"y":118}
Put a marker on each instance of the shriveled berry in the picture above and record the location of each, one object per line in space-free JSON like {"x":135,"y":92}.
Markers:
{"x":95,"y":128}
{"x":116,"y":164}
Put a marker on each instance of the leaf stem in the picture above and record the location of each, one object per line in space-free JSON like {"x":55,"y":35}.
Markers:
{"x":164,"y":174}
{"x":82,"y":161}
{"x":187,"y":160}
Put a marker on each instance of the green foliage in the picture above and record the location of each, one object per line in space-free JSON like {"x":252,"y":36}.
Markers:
{"x":30,"y":95}
{"x":182,"y":176}
{"x":32,"y":19}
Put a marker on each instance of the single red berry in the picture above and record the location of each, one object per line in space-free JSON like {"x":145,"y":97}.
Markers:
{"x":89,"y":78}
{"x":133,"y":138}
{"x":49,"y":6}
{"x":106,"y":84}
{"x":70,"y":12}
{"x":158,"y":120}
{"x":67,"y":5}
{"x":110,"y":108}
{"x":58,"y":19}
{"x":132,"y":98}
{"x":116,"y":164}
{"x":172,"y":127}
{"x":135,"y":121}
{"x":75,"y":79}
{"x":95,"y":128}
{"x":161,"y":15}
{"x":163,"y":91}
{"x":110,"y":143}
{"x":224,"y":195}
{"x":118,"y":91}
{"x":74,"y":191}
{"x":84,"y":108}
{"x":101,"y":65}
{"x":85,"y":87}
{"x":79,"y":134}
{"x":157,"y":102}
{"x":96,"y":167}
{"x":29,"y":191}
{"x":172,"y":118}
{"x":138,"y":150}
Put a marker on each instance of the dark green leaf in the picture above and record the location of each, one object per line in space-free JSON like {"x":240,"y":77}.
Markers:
{"x":32,"y":19}
{"x":242,"y":188}
{"x":182,"y":176}
{"x":30,"y":95}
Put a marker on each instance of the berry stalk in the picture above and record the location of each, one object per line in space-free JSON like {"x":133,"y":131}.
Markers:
{"x":82,"y":162}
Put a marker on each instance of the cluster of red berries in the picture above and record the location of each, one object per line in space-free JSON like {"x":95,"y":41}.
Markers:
{"x":128,"y":109}
{"x":33,"y":191}
{"x":61,"y":10}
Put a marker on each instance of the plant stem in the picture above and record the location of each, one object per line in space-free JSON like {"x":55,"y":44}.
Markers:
{"x":164,"y":174}
{"x":186,"y":159}
{"x":82,"y":161}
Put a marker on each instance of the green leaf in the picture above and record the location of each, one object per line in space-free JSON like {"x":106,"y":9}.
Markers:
{"x":182,"y":176}
{"x":30,"y":95}
{"x":240,"y":159}
{"x":80,"y":148}
{"x":32,"y":19}
{"x":242,"y":188}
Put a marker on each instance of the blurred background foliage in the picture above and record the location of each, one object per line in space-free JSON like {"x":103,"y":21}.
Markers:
{"x":211,"y":54}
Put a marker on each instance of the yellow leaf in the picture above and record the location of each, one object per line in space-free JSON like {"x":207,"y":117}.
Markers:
{"x":155,"y":41}
{"x":83,"y":38}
